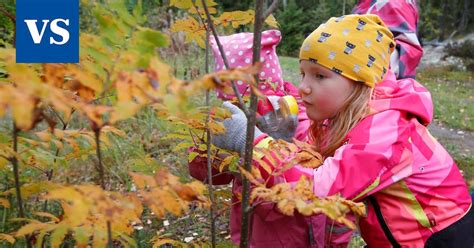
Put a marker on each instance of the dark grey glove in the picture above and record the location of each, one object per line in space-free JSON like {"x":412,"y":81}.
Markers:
{"x":236,"y":129}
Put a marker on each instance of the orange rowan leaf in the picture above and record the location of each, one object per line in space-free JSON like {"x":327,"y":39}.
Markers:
{"x":216,"y":127}
{"x":286,"y":206}
{"x":58,"y":235}
{"x":114,"y":130}
{"x":236,"y":18}
{"x":85,"y":78}
{"x":221,"y":79}
{"x":254,"y":177}
{"x":188,"y":4}
{"x":124,"y":110}
{"x":159,"y":242}
{"x":47,"y":215}
{"x":271,"y":21}
{"x":142,"y":181}
{"x":190,"y":192}
{"x":5,"y":203}
{"x":54,"y":74}
{"x":23,"y":110}
{"x":225,"y":163}
{"x":193,"y":30}
{"x":30,"y":228}
{"x":7,"y":237}
{"x":307,"y":159}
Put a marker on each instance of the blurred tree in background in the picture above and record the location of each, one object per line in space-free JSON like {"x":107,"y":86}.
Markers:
{"x":7,"y":12}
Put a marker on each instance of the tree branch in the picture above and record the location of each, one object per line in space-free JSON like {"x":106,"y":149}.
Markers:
{"x":271,"y":9}
{"x":8,"y":14}
{"x":248,"y":155}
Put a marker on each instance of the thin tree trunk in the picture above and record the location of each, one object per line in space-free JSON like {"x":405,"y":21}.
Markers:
{"x":16,"y":175}
{"x":100,"y":168}
{"x":343,"y":7}
{"x":246,"y":210}
{"x":442,"y":21}
{"x":208,"y":147}
{"x":465,"y":15}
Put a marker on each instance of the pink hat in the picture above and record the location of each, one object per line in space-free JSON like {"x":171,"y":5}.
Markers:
{"x":238,"y":49}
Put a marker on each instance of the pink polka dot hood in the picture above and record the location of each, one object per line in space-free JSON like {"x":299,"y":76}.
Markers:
{"x":238,"y":50}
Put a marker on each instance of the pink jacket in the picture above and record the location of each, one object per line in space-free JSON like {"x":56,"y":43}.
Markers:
{"x":391,"y":156}
{"x":269,"y":227}
{"x":401,"y":17}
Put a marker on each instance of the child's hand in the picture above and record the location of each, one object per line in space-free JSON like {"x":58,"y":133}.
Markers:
{"x":234,"y":137}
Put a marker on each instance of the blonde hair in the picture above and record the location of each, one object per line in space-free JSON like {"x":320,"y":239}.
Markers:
{"x":329,"y":134}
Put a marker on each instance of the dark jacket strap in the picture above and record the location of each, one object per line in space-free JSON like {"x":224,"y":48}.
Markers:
{"x":383,"y":224}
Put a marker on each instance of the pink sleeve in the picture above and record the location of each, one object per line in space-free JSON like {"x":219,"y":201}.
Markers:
{"x":401,"y":17}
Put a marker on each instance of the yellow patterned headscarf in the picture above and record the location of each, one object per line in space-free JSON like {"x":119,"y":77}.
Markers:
{"x":355,"y":46}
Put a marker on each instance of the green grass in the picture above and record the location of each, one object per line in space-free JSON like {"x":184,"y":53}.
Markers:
{"x":291,"y":69}
{"x":453,"y":96}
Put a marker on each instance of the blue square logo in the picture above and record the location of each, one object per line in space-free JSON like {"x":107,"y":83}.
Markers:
{"x":47,"y":31}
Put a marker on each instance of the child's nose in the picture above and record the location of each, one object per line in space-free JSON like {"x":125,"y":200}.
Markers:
{"x":303,"y":89}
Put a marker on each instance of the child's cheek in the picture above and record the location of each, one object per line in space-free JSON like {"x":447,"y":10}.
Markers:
{"x":322,"y":101}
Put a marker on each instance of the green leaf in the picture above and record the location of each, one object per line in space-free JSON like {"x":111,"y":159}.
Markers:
{"x":82,"y":235}
{"x":152,"y":37}
{"x":137,"y":12}
{"x":58,"y":235}
{"x":122,"y":12}
{"x":192,"y":156}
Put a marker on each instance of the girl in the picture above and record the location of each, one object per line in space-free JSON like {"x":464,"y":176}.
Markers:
{"x":371,"y":130}
{"x":270,"y":228}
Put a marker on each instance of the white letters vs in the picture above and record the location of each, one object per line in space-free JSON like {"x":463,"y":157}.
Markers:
{"x":37,"y":36}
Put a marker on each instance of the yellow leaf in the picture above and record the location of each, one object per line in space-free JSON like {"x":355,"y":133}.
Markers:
{"x":216,"y":127}
{"x":31,"y":189}
{"x":114,"y":130}
{"x":7,"y":237}
{"x":58,"y":144}
{"x":47,"y":215}
{"x":193,"y":30}
{"x":124,"y":110}
{"x":236,"y":18}
{"x":54,"y":74}
{"x":142,"y":181}
{"x":81,"y":235}
{"x":23,"y":107}
{"x":85,"y":78}
{"x":58,"y":235}
{"x":44,"y":135}
{"x":307,"y":159}
{"x":271,"y":21}
{"x":186,"y":4}
{"x":124,"y":88}
{"x":4,"y":202}
{"x":286,"y":207}
{"x":225,"y":163}
{"x":252,"y":176}
{"x":159,"y":242}
{"x":23,"y":75}
{"x":100,"y":238}
{"x":30,"y":228}
{"x":3,"y":163}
